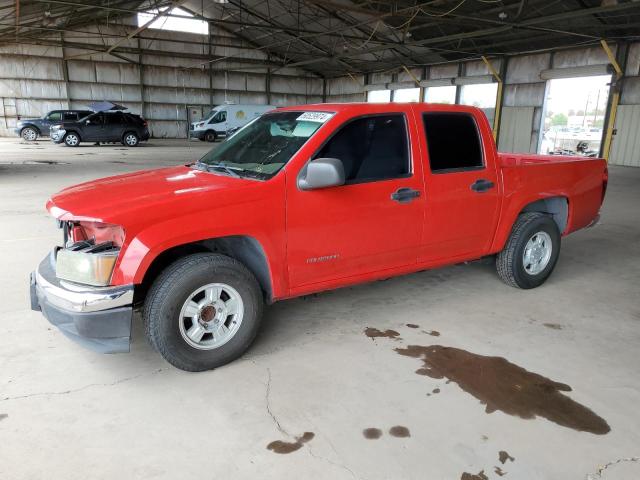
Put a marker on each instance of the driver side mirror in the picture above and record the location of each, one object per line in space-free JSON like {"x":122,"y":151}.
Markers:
{"x":322,"y":173}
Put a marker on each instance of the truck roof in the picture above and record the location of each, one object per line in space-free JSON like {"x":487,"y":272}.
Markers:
{"x":365,"y":107}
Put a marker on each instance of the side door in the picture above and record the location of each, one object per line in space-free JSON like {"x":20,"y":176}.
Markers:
{"x":92,"y":128}
{"x":53,"y":118}
{"x":114,"y":126}
{"x":219,"y":122}
{"x":371,"y":223}
{"x":463,"y":189}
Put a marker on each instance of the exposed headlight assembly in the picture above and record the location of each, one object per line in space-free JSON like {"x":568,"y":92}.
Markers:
{"x":90,"y":253}
{"x":87,"y":264}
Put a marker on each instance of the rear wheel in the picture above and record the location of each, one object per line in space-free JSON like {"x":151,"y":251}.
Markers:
{"x":203,"y":311}
{"x":531,"y":252}
{"x":130,"y":139}
{"x":71,"y":139}
{"x":210,"y":136}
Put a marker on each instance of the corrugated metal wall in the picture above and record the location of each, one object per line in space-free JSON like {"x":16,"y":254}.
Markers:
{"x":160,"y":83}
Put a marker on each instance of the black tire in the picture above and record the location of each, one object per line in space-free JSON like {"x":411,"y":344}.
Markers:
{"x":130,"y":139}
{"x":510,"y":261}
{"x":171,"y":290}
{"x":72,"y":139}
{"x":29,"y":134}
{"x":210,"y":136}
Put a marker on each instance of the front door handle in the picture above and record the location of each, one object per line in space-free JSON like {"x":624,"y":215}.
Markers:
{"x":482,"y":185}
{"x":405,"y":195}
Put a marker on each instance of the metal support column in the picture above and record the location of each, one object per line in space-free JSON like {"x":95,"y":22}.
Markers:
{"x":614,"y":96}
{"x":499,"y":95}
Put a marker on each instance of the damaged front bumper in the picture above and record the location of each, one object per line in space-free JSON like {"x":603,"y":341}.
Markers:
{"x":98,"y":318}
{"x":57,"y":136}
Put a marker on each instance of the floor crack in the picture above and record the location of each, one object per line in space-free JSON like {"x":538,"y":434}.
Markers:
{"x":602,"y":468}
{"x":79,"y":389}
{"x":331,"y":462}
{"x":267,"y":397}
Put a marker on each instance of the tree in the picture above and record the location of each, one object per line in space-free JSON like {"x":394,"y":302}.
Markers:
{"x":559,"y":119}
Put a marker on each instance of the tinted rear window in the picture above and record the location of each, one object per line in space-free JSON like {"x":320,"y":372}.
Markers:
{"x":453,"y":141}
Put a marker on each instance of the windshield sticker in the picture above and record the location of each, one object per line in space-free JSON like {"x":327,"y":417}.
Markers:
{"x":315,"y":116}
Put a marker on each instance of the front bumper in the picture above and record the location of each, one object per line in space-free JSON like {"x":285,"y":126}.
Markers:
{"x":57,"y":136}
{"x":199,"y":134}
{"x":98,"y":318}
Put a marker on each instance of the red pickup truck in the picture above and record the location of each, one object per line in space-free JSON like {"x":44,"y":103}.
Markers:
{"x":300,"y":200}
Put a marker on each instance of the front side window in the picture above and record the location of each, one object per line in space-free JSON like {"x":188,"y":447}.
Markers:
{"x":264,"y":146}
{"x":453,"y":141}
{"x":371,"y":148}
{"x":219,"y":118}
{"x":95,"y":119}
{"x":54,"y":117}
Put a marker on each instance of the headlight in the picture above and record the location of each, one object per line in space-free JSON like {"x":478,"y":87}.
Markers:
{"x":201,"y":124}
{"x":90,"y":252}
{"x":86,"y":266}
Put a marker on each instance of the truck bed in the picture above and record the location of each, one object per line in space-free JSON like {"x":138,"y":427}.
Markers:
{"x":528,"y":178}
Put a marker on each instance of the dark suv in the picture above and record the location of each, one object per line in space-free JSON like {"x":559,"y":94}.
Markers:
{"x":32,"y":128}
{"x":108,"y":126}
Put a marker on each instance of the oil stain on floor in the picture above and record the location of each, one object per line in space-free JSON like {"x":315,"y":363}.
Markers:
{"x":3,"y":416}
{"x":375,"y":333}
{"x":372,"y":433}
{"x":504,"y":456}
{"x":553,"y":326}
{"x":282,"y":447}
{"x":470,"y":476}
{"x":433,"y":333}
{"x":399,"y":431}
{"x":502,"y":385}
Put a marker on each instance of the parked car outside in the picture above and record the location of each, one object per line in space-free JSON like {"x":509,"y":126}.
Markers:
{"x":223,"y":120}
{"x":108,"y":126}
{"x":32,"y":128}
{"x":301,"y":200}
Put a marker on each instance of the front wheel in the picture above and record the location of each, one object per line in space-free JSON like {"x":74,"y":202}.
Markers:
{"x":210,"y":136}
{"x":531,"y":252}
{"x":29,"y":134}
{"x":71,"y":139}
{"x":130,"y":139}
{"x":203,"y":311}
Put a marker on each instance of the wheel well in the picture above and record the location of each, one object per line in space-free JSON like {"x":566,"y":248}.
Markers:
{"x":74,"y":132}
{"x":557,"y":207}
{"x":246,"y":250}
{"x":30,"y":126}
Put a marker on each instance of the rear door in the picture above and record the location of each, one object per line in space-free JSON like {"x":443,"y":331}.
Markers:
{"x":373,"y":222}
{"x":463,"y":190}
{"x":114,"y":126}
{"x":93,"y":128}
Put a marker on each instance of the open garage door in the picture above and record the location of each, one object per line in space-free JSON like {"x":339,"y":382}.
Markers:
{"x":574,"y":114}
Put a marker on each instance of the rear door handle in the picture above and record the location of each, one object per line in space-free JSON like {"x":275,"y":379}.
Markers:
{"x":405,"y":195}
{"x":482,"y":185}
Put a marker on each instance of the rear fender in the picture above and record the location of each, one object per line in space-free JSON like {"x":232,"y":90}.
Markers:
{"x":558,"y":206}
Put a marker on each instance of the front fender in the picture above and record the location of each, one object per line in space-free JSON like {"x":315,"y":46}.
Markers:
{"x":145,"y":246}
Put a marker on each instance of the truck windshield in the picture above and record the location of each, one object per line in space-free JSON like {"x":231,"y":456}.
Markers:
{"x":264,"y":146}
{"x":211,"y":113}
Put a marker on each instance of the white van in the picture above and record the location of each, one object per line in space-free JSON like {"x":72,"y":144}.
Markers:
{"x":225,"y":118}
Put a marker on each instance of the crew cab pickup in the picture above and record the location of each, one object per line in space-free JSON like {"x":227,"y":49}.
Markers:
{"x":302,"y":199}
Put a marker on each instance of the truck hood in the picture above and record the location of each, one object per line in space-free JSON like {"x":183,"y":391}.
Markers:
{"x":147,"y":196}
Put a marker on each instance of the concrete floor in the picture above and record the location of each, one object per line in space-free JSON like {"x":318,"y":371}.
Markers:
{"x":69,"y":413}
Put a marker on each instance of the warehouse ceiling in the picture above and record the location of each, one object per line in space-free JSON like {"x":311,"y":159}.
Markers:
{"x":340,"y":37}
